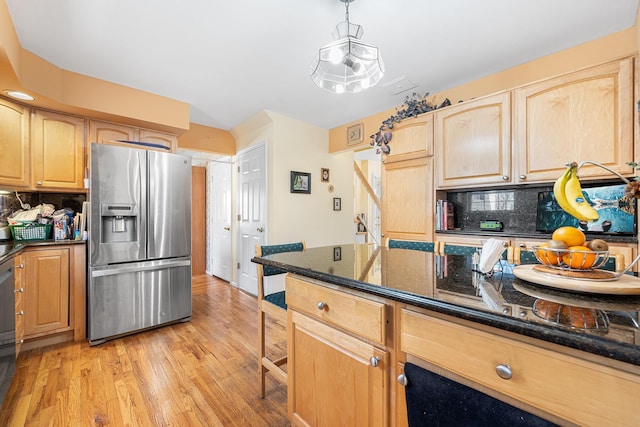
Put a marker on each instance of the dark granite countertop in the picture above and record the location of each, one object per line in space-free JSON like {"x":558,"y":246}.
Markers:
{"x":447,"y":284}
{"x":11,"y":247}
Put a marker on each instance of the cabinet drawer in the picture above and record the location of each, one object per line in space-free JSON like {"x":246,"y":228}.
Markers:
{"x":352,"y":313}
{"x":580,"y":391}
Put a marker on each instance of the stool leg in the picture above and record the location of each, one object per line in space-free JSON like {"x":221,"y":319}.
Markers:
{"x":261,"y":351}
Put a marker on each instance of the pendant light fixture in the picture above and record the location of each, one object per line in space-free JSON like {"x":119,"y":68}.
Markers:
{"x":347,"y":64}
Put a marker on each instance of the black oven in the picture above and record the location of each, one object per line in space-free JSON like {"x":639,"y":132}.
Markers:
{"x":7,"y":327}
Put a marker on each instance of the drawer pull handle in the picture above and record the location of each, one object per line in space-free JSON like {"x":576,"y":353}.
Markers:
{"x":402,"y":379}
{"x":321,"y":305}
{"x":504,"y":372}
{"x":18,"y":290}
{"x":375,"y":361}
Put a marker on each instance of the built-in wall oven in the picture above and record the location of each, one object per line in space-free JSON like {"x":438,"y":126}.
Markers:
{"x":7,"y":327}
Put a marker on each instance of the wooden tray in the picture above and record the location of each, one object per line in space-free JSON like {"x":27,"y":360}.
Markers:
{"x":625,"y":285}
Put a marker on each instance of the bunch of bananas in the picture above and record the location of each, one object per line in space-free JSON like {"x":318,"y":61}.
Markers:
{"x":568,"y":194}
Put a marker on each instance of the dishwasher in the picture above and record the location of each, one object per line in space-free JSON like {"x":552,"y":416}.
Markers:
{"x":7,"y":327}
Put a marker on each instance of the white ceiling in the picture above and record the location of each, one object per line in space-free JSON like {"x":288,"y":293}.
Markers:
{"x":231,"y":59}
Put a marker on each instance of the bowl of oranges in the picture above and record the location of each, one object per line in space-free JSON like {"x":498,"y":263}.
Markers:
{"x":569,"y":249}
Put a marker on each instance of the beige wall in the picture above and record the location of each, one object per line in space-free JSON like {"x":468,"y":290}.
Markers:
{"x":618,"y":45}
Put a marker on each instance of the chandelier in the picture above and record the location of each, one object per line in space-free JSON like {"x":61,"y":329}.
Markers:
{"x":347,"y":64}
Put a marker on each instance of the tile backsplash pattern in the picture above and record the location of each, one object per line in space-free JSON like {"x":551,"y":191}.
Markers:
{"x":515,"y":208}
{"x":58,"y":200}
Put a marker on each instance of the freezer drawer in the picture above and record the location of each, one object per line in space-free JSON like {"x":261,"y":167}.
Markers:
{"x":131,"y":297}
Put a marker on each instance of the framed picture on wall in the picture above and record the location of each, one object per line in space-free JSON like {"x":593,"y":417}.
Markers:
{"x":300,"y":182}
{"x":324,"y":174}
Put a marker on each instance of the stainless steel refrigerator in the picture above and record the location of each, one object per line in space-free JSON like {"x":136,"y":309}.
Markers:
{"x":139,"y":240}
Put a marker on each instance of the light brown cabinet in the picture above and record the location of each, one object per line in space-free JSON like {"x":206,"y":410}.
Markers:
{"x":335,"y":377}
{"x":473,"y":143}
{"x":565,"y":386}
{"x":14,"y":145}
{"x":18,"y":263}
{"x":46,"y":291}
{"x":50,"y":294}
{"x":411,"y":139}
{"x":58,"y":154}
{"x":585,"y":115}
{"x":113,"y":133}
{"x":407,"y":202}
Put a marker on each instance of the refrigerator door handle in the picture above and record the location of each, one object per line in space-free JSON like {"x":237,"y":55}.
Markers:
{"x":137,"y":267}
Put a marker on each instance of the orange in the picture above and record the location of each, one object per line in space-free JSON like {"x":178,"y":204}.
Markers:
{"x":570,"y":235}
{"x":582,"y":259}
{"x":549,"y":255}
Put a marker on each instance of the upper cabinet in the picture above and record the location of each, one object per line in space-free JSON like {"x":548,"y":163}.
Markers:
{"x":473,"y":143}
{"x":57,"y":147}
{"x":14,"y":145}
{"x":586,"y":115}
{"x":113,"y":133}
{"x":411,"y":139}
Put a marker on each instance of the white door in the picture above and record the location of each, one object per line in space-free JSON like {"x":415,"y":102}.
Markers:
{"x":251,"y":213}
{"x":220,"y":220}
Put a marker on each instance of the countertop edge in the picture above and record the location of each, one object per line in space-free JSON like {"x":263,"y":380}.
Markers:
{"x":591,"y":344}
{"x":19,"y":246}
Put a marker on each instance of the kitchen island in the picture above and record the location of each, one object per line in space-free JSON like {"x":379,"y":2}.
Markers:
{"x":387,"y":307}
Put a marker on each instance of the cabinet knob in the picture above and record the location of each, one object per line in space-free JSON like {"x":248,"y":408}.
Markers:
{"x":20,"y":313}
{"x":505,"y":311}
{"x":18,"y":290}
{"x":522,"y":245}
{"x":504,"y":371}
{"x":21,"y":341}
{"x":260,"y":229}
{"x":523,"y":314}
{"x":505,"y":177}
{"x":20,"y":266}
{"x":321,"y":305}
{"x":227,"y":228}
{"x":402,"y":379}
{"x":374,"y":361}
{"x":39,"y":183}
{"x":523,"y":177}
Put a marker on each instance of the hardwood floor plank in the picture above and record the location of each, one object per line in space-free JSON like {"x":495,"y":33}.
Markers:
{"x":198,"y":373}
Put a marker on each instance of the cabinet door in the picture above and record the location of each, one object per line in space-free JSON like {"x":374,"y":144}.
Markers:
{"x":159,"y":138}
{"x":412,"y":138}
{"x":14,"y":144}
{"x":58,"y":151}
{"x":473,"y":143}
{"x":407,"y":202}
{"x":587,"y":115}
{"x":46,"y":291}
{"x":332,"y":381}
{"x":18,"y":263}
{"x":111,"y":133}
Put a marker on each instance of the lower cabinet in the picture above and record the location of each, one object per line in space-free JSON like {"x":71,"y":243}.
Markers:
{"x":18,"y":263}
{"x":335,"y":378}
{"x":50,"y":295}
{"x":562,"y":385}
{"x":46,"y":292}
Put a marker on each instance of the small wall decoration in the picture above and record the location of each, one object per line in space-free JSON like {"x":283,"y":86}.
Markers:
{"x":337,"y":203}
{"x":300,"y":182}
{"x":324,"y":174}
{"x":337,"y":253}
{"x":354,"y":134}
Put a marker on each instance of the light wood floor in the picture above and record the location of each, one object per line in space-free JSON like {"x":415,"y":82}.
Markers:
{"x":199,"y":373}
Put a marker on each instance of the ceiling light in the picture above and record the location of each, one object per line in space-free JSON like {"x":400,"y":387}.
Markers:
{"x":19,"y":95}
{"x":347,"y":64}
